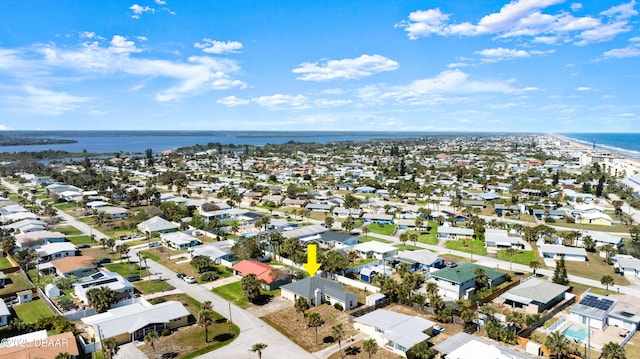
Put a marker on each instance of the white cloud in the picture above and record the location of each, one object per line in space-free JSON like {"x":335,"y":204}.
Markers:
{"x":500,"y":53}
{"x":576,"y":6}
{"x":345,"y":69}
{"x":120,"y":45}
{"x":5,"y":128}
{"x":218,"y":47}
{"x":584,"y":88}
{"x":280,"y":101}
{"x":232,"y":101}
{"x":625,"y":52}
{"x":45,"y":102}
{"x":525,"y":18}
{"x":506,"y":106}
{"x":622,"y":11}
{"x":160,"y":2}
{"x":325,"y":102}
{"x":139,"y":10}
{"x":455,"y":65}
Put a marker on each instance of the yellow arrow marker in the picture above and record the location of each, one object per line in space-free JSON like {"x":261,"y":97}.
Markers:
{"x":312,"y":264}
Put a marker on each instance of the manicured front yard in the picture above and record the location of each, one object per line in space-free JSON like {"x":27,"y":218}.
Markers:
{"x":32,"y":311}
{"x":186,"y":268}
{"x":384,"y":229}
{"x":522,"y":257}
{"x":594,"y":269}
{"x":369,"y":238}
{"x":233,"y":293}
{"x":81,"y":239}
{"x":124,"y":269}
{"x":469,"y":246}
{"x":407,"y":247}
{"x":68,"y":230}
{"x":17,"y":283}
{"x":5,"y":263}
{"x":152,"y":286}
{"x":362,"y":262}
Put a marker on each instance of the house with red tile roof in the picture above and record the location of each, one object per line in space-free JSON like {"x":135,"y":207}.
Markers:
{"x":271,"y":278}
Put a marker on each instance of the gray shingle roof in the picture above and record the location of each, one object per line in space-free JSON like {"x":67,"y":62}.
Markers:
{"x":306,"y":287}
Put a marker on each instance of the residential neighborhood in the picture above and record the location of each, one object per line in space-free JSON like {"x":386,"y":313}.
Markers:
{"x":426,"y":249}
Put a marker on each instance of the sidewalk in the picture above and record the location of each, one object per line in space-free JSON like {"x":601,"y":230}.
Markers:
{"x":221,"y":282}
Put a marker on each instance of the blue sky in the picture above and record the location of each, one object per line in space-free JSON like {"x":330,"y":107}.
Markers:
{"x":527,"y":65}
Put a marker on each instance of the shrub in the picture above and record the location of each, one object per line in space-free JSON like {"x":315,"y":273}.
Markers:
{"x":165,"y":332}
{"x":209,"y":276}
{"x":338,"y":306}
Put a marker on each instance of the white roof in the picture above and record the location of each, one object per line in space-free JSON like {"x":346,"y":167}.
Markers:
{"x":403,"y":329}
{"x":215,"y":249}
{"x":373,"y":246}
{"x":178,"y":238}
{"x":423,"y":256}
{"x":55,"y":247}
{"x":558,"y":249}
{"x":129,"y":318}
{"x":456,"y":230}
{"x":4,"y":310}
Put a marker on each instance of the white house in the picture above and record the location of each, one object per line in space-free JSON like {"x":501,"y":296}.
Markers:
{"x":374,"y":249}
{"x":316,"y":290}
{"x":179,"y":240}
{"x":51,"y":251}
{"x":454,"y":232}
{"x":113,"y":281}
{"x":555,"y":252}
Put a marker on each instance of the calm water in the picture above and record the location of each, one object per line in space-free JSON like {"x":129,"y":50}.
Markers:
{"x":626,"y":144}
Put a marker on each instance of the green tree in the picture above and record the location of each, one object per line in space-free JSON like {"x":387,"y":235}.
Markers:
{"x":613,"y":350}
{"x":370,"y":346}
{"x":150,"y":339}
{"x":202,"y":263}
{"x":251,"y":287}
{"x":302,"y":306}
{"x":365,"y":231}
{"x":328,"y":221}
{"x":468,"y":315}
{"x":205,"y":319}
{"x":559,"y":345}
{"x":560,"y":273}
{"x":109,"y":347}
{"x":414,"y":238}
{"x":338,"y":333}
{"x":101,"y":298}
{"x":334,"y":262}
{"x":314,"y":321}
{"x":258,"y":348}
{"x":634,"y":231}
{"x":535,"y":265}
{"x":481,"y":277}
{"x":404,"y":237}
{"x":607,"y":280}
{"x":510,"y":252}
{"x":420,"y":351}
{"x":64,"y":355}
{"x":8,"y":245}
{"x":589,"y":243}
{"x":348,"y":224}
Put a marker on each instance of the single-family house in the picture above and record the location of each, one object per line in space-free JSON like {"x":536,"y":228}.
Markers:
{"x":179,"y":240}
{"x":39,"y":345}
{"x":592,"y":310}
{"x":50,"y":251}
{"x":293,"y":202}
{"x":104,"y":278}
{"x":271,"y":278}
{"x":454,"y":232}
{"x":114,"y":212}
{"x":132,"y":322}
{"x":316,"y":290}
{"x":78,"y":266}
{"x":394,"y":331}
{"x":534,"y":295}
{"x":364,"y":189}
{"x":377,"y":218}
{"x":336,"y":239}
{"x":555,"y":251}
{"x":305,"y":234}
{"x":464,"y":346}
{"x":341,"y":212}
{"x":4,"y":314}
{"x":627,"y":264}
{"x":319,"y":207}
{"x":601,"y":239}
{"x":217,"y":251}
{"x":500,"y":239}
{"x":37,"y":238}
{"x":459,"y":282}
{"x":374,"y":249}
{"x":157,"y":225}
{"x":503,"y":209}
{"x":422,"y":259}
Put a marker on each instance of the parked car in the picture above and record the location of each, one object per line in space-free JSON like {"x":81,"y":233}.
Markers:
{"x":189,"y":279}
{"x":133,"y":277}
{"x":83,"y":246}
{"x":452,"y":264}
{"x":104,"y":260}
{"x":181,"y":275}
{"x":154,"y":244}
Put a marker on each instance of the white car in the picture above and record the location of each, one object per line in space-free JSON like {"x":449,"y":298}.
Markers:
{"x":189,"y":279}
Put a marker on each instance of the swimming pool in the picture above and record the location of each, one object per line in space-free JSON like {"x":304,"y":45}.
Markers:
{"x":576,"y":332}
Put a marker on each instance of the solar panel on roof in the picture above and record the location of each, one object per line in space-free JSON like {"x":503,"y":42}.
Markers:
{"x":598,"y":303}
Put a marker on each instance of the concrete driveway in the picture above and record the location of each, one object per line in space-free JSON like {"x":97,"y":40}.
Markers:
{"x":129,"y":351}
{"x":276,"y":304}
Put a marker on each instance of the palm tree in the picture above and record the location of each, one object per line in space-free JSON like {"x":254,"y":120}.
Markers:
{"x":64,"y":355}
{"x":338,"y":333}
{"x":606,"y":281}
{"x":431,"y":288}
{"x":535,"y":265}
{"x":613,"y":350}
{"x":404,"y":237}
{"x":510,"y":252}
{"x":258,"y":348}
{"x":314,"y":321}
{"x":301,"y":306}
{"x":558,"y":344}
{"x":205,"y":319}
{"x":150,"y":339}
{"x":370,"y":346}
{"x":109,"y":347}
{"x":414,"y":237}
{"x":468,"y":315}
{"x":206,"y":305}
{"x":608,"y":249}
{"x":101,"y":298}
{"x":251,"y":287}
{"x":365,"y":231}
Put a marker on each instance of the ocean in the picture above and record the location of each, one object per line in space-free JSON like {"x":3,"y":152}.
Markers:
{"x":625,"y":144}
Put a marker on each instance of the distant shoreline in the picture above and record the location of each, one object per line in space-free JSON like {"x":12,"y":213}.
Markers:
{"x":634,"y":163}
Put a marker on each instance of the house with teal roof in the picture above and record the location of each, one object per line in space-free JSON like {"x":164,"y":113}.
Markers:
{"x":459,"y":282}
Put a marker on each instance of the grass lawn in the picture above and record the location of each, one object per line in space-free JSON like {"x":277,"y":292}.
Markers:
{"x":522,"y":257}
{"x":44,"y":279}
{"x":68,"y":230}
{"x":18,"y":282}
{"x":384,"y":229}
{"x":362,"y":262}
{"x":189,"y":342}
{"x":291,"y":323}
{"x":407,"y":247}
{"x":594,"y":269}
{"x":4,"y":263}
{"x":152,"y":286}
{"x":369,"y":238}
{"x":32,"y":311}
{"x":577,"y":288}
{"x":469,"y":246}
{"x":233,"y":293}
{"x":124,"y":269}
{"x":186,"y":268}
{"x":66,"y":205}
{"x":81,"y":239}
